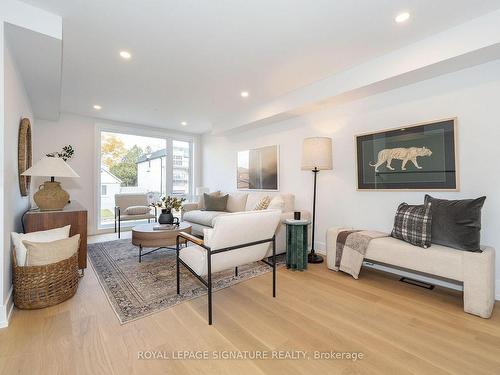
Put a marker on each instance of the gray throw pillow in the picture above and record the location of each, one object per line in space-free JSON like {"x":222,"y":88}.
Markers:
{"x":201,"y":203}
{"x":215,"y":203}
{"x":456,"y":223}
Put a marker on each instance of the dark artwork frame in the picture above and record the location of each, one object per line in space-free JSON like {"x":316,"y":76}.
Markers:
{"x":420,"y":157}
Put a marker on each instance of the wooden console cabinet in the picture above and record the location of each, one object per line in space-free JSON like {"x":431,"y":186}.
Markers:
{"x":73,"y":214}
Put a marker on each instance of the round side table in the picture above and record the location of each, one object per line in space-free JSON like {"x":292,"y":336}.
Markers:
{"x":296,"y":244}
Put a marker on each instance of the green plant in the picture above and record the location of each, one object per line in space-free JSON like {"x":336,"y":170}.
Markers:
{"x":170,"y":203}
{"x":126,"y":168}
{"x":65,"y":154}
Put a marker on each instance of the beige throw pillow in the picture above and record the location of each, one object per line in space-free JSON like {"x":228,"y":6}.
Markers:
{"x":236,"y":202}
{"x":42,"y":253}
{"x":137,"y":210}
{"x":201,"y":202}
{"x":277,"y":203}
{"x":41,"y":236}
{"x":263,"y":203}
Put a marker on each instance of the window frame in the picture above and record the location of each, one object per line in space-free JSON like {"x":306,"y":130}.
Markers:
{"x":166,"y":135}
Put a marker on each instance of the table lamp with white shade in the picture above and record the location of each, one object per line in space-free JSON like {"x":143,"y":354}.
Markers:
{"x":316,"y":156}
{"x":50,"y":196}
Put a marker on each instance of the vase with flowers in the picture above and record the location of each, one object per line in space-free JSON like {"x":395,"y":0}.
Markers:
{"x":167,"y":205}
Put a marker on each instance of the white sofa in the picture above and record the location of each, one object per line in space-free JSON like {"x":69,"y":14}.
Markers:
{"x":475,"y":270}
{"x":239,"y":202}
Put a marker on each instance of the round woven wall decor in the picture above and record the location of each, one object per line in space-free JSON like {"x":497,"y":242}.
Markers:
{"x":24,"y":155}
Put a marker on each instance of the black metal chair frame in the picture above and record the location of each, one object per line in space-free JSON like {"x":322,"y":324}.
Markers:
{"x":119,"y":221}
{"x":208,"y":282}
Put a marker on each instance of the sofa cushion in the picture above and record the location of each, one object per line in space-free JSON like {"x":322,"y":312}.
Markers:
{"x":236,"y":202}
{"x":456,"y":223}
{"x":413,"y":224}
{"x":204,"y":218}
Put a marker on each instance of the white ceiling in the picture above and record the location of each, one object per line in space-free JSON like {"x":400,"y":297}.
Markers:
{"x":191,"y":58}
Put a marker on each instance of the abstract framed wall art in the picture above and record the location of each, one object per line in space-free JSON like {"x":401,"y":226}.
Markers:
{"x":258,"y":169}
{"x":419,"y":157}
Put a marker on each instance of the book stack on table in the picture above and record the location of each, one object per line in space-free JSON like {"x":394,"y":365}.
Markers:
{"x":165,"y":227}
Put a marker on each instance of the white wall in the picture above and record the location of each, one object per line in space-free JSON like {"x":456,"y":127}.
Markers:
{"x":3,"y":303}
{"x":12,"y":91}
{"x":472,"y":95}
{"x":80,"y":132}
{"x":17,"y":106}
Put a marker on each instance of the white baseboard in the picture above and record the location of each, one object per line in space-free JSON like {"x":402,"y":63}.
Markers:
{"x":6,"y":309}
{"x":321,"y":249}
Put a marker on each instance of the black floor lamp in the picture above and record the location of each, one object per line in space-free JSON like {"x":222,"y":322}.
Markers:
{"x":316,"y":156}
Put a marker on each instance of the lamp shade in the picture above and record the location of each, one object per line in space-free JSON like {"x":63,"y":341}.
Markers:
{"x":200,"y":190}
{"x":50,"y":167}
{"x":317,"y":153}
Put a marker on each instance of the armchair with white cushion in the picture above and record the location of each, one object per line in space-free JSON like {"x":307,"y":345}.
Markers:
{"x":236,"y":239}
{"x":132,"y":206}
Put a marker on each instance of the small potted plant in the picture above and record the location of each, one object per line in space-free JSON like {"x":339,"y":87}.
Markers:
{"x":167,"y":204}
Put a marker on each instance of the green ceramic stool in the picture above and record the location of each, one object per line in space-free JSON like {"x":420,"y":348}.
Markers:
{"x":296,"y":244}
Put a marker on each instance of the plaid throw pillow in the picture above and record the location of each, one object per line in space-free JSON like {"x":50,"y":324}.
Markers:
{"x":413,"y":224}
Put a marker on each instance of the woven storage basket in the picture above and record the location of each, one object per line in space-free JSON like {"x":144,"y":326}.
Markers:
{"x":36,"y":287}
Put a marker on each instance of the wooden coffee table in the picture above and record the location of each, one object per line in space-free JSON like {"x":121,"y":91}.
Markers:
{"x":145,"y":236}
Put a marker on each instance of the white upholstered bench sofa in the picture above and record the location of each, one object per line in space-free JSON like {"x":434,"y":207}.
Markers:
{"x":239,"y":202}
{"x":475,"y":269}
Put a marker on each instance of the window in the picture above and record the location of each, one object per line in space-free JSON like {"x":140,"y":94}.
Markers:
{"x":181,"y":156}
{"x":131,"y":163}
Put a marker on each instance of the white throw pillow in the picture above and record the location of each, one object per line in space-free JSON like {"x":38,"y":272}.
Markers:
{"x":277,"y":203}
{"x":137,"y":210}
{"x":236,"y":202}
{"x":42,"y":236}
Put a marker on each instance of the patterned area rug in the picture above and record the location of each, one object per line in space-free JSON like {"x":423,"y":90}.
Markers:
{"x":136,"y":290}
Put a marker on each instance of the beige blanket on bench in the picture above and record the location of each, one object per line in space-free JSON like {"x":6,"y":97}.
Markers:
{"x":351,"y":250}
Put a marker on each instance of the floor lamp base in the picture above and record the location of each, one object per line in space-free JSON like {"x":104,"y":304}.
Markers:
{"x":314,"y":258}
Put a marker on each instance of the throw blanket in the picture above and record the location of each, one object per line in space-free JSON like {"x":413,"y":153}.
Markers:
{"x":351,"y":249}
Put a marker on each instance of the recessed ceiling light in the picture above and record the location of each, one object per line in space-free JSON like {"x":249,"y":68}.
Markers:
{"x":184,"y":123}
{"x":97,"y":106}
{"x":244,"y":94}
{"x":125,"y":54}
{"x":402,"y":17}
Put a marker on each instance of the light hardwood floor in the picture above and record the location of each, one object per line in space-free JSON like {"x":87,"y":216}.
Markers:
{"x":401,"y":329}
